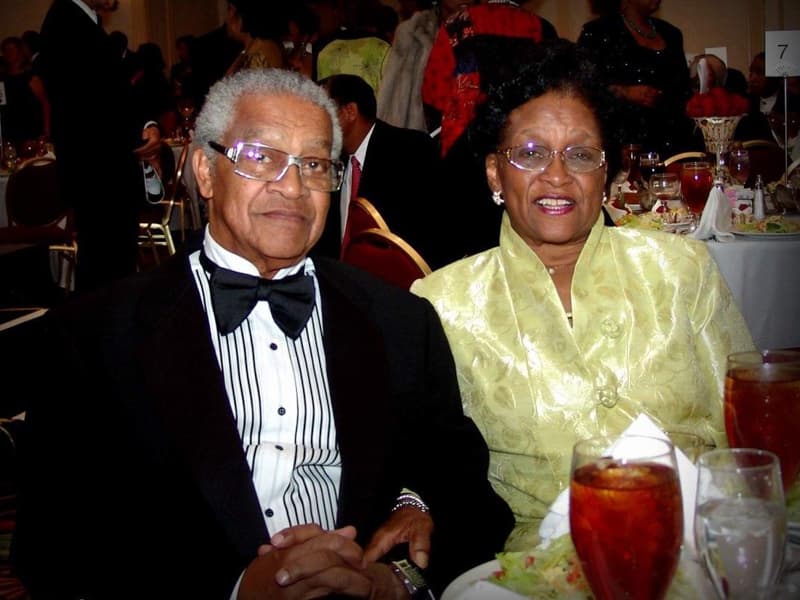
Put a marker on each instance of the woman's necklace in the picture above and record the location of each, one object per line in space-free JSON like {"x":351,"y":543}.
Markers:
{"x":551,"y":269}
{"x":648,"y":35}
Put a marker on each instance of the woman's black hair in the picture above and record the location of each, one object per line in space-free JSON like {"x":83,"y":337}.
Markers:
{"x":557,"y":66}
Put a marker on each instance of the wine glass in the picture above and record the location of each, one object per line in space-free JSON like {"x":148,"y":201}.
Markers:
{"x":666,"y":187}
{"x":186,"y":108}
{"x":626,"y":515}
{"x":740,"y":520}
{"x":697,"y":179}
{"x":739,"y":164}
{"x":649,"y":163}
{"x":762,"y":405}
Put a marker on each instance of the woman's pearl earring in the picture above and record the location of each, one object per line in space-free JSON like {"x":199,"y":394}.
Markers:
{"x":497,"y":198}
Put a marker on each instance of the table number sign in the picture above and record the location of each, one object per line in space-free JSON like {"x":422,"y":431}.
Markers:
{"x":782,"y":50}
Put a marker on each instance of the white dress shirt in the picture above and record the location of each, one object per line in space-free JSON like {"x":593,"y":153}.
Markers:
{"x":279,"y":396}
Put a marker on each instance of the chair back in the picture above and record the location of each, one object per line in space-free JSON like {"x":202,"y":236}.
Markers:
{"x":33,"y":198}
{"x":38,"y":214}
{"x":155,"y":220}
{"x":387,"y":256}
{"x":361,"y":215}
{"x":673,"y":163}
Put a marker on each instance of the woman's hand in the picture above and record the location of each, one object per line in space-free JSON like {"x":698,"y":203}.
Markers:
{"x":407,"y":524}
{"x":646,"y":95}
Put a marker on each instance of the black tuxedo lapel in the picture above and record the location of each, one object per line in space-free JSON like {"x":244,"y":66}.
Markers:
{"x":358,"y":376}
{"x":187,"y":390}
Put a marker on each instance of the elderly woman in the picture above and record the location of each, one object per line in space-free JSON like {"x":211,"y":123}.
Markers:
{"x":569,"y":328}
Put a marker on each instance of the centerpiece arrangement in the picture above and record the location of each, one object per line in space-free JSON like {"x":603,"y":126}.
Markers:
{"x":717,"y":113}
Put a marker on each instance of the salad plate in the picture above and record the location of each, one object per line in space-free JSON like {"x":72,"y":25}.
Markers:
{"x":690,"y":583}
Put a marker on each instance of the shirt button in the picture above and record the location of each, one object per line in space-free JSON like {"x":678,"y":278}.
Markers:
{"x":273,"y":346}
{"x":607,"y":396}
{"x":281,"y":411}
{"x":610,"y":328}
{"x":279,"y":447}
{"x":269,"y":512}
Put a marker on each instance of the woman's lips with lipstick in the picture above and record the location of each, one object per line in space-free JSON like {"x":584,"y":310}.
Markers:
{"x":554,"y":205}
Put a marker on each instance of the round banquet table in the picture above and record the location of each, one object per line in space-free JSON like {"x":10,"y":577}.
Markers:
{"x":764,"y":277}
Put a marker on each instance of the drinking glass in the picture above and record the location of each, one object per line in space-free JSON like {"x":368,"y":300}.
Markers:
{"x":626,"y":515}
{"x":740,"y":520}
{"x":762,"y":405}
{"x":739,"y":164}
{"x":666,"y":187}
{"x":649,"y":163}
{"x":697,"y":178}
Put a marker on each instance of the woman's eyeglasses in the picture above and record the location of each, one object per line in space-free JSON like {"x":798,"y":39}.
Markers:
{"x":532,"y":156}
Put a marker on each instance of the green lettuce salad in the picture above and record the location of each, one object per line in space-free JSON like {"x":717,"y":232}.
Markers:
{"x":554,"y":572}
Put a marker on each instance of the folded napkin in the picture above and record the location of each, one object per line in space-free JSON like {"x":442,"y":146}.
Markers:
{"x":556,"y":522}
{"x":485,"y":590}
{"x":716,"y":218}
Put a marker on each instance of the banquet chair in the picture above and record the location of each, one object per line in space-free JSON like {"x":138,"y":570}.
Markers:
{"x":155,"y":220}
{"x":673,"y":163}
{"x":387,"y":256}
{"x":361,"y":215}
{"x":38,"y":214}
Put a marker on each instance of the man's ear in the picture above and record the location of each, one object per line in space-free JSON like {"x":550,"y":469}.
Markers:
{"x":202,"y":173}
{"x":349,"y":112}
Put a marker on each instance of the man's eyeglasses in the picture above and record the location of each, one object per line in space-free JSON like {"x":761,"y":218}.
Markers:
{"x":257,"y":161}
{"x":535,"y":157}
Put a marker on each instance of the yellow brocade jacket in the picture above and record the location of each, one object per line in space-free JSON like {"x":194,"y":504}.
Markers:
{"x":653,"y":321}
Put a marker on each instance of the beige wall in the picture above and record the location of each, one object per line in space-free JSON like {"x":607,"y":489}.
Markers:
{"x":736,"y":24}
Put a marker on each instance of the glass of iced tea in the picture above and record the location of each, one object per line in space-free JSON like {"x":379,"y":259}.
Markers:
{"x":762,"y":405}
{"x":626,"y":515}
{"x":697,"y":179}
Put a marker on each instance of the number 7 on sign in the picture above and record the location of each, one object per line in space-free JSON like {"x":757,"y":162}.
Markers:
{"x":782,"y":50}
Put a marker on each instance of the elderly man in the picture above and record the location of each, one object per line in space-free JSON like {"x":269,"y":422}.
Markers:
{"x":246,"y":422}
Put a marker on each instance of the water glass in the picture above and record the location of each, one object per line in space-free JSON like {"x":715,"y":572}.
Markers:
{"x":666,"y":187}
{"x":626,"y":515}
{"x":740,"y":520}
{"x":649,"y":164}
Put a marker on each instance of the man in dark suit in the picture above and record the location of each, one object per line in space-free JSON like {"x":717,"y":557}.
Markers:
{"x":399,"y":173}
{"x":177,"y":451}
{"x":99,"y":137}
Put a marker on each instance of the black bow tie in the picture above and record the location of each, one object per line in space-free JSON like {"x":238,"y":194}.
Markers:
{"x":234,"y":295}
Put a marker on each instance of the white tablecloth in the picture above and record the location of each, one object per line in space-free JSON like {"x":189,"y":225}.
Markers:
{"x":764,"y":277}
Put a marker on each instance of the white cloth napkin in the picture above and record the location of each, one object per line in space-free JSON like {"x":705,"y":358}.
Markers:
{"x":556,"y":522}
{"x":484,"y":590}
{"x":716,"y":218}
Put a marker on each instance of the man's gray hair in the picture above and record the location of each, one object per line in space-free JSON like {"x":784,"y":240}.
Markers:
{"x":219,"y":109}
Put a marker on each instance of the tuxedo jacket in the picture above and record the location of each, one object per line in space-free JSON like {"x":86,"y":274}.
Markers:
{"x":133,"y":478}
{"x":401,"y":178}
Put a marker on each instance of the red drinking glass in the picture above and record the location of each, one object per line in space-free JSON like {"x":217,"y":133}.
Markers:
{"x":697,"y":178}
{"x":626,"y":515}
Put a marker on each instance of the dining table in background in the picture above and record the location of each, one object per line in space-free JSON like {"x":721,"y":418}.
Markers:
{"x":764,"y":277}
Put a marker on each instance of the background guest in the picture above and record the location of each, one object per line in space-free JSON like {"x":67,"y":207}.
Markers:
{"x":26,"y":115}
{"x":100,"y":136}
{"x":570,"y":329}
{"x":257,"y":26}
{"x":644,"y":65}
{"x":393,"y":163}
